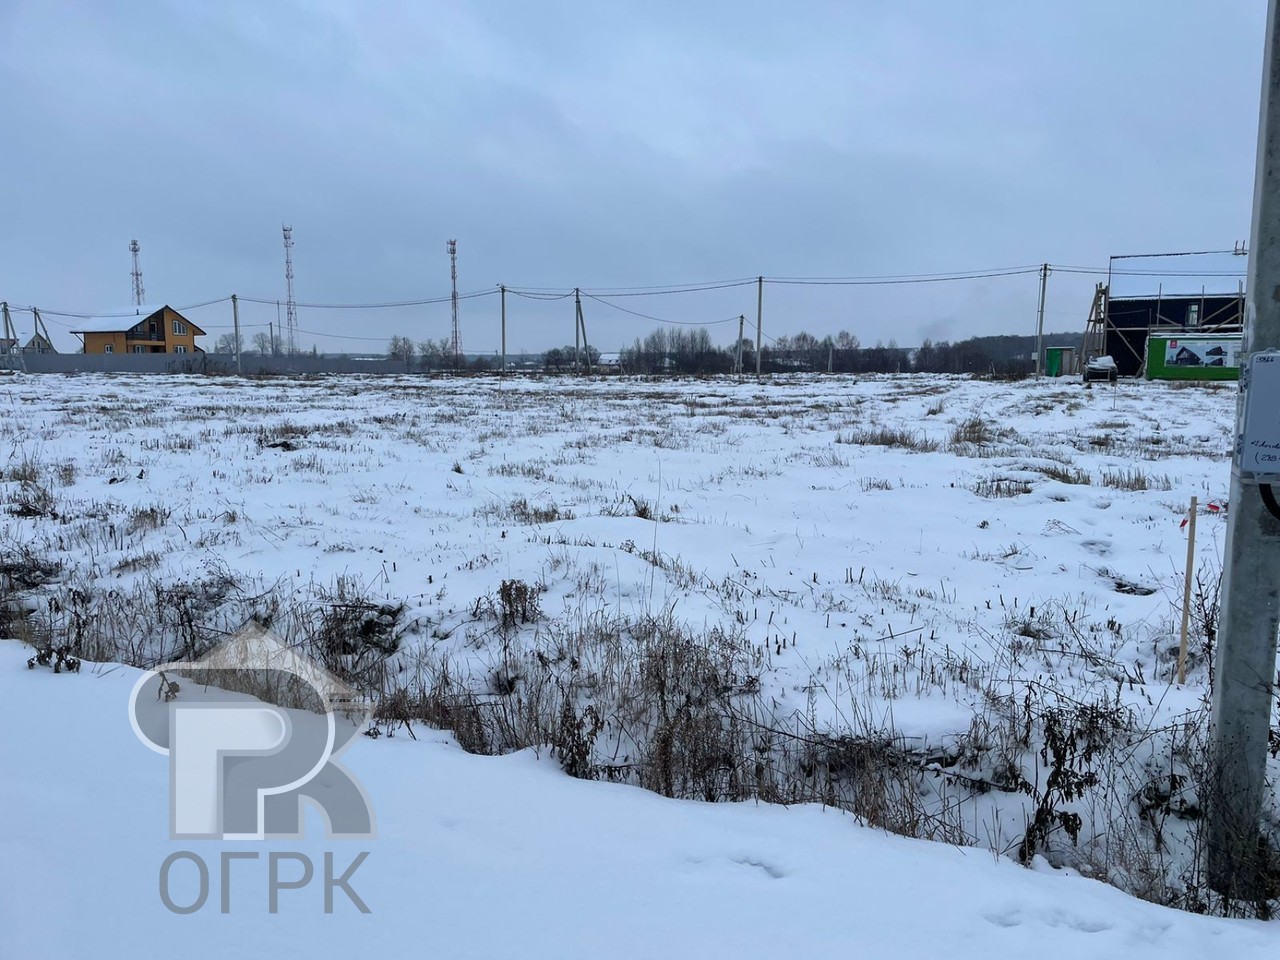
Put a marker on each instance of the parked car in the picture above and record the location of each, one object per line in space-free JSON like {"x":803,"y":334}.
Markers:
{"x":1101,"y":368}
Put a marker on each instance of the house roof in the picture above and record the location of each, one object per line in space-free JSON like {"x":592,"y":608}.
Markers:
{"x":115,"y":321}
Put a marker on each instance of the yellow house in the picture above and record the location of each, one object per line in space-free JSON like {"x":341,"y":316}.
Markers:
{"x":148,"y":330}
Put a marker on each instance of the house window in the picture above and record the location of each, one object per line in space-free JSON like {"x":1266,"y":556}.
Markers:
{"x":109,"y":348}
{"x":179,"y":349}
{"x":138,"y":349}
{"x":179,"y":328}
{"x":1193,"y":315}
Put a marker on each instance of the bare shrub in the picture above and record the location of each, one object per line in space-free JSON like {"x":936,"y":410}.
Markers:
{"x":882,"y":436}
{"x":25,"y":470}
{"x":1135,"y":479}
{"x":997,"y":487}
{"x":518,"y":603}
{"x":974,"y":431}
{"x":32,"y":499}
{"x":521,"y":511}
{"x":148,"y":518}
{"x":1064,"y":473}
{"x":21,"y":568}
{"x":59,"y":658}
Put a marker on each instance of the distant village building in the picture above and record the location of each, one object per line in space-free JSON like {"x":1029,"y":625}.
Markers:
{"x":38,"y":343}
{"x":148,"y":330}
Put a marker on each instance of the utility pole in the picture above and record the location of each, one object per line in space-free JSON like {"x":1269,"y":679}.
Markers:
{"x":1044,"y":278}
{"x":577,"y":327}
{"x":41,"y":330}
{"x":759,"y":320}
{"x":742,"y":320}
{"x":11,"y":335}
{"x":235,"y":320}
{"x":503,"y":291}
{"x":586,"y":347}
{"x":1245,"y":660}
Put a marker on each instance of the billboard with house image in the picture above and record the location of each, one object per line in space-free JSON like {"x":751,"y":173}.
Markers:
{"x":1203,"y":357}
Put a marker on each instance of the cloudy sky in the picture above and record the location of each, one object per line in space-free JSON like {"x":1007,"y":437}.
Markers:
{"x":608,"y":145}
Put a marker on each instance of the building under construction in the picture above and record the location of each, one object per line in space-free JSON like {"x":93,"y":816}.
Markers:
{"x":1124,"y":327}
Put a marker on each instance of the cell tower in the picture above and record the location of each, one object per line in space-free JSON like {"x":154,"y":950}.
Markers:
{"x":290,"y":307}
{"x":452,"y":247}
{"x":139,"y":295}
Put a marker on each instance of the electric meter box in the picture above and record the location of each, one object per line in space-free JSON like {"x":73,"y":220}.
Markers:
{"x":1260,"y":432}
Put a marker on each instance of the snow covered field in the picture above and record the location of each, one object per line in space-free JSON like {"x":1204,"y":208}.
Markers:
{"x":483,"y":857}
{"x":913,"y":598}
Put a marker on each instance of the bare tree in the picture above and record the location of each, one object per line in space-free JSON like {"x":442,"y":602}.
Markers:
{"x":227,"y":343}
{"x":436,"y":354}
{"x":401,"y":348}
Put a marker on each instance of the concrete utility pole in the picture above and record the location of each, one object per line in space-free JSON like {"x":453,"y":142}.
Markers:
{"x":11,"y":335}
{"x":1245,"y":663}
{"x":737,"y":367}
{"x":1044,"y":278}
{"x":759,"y":319}
{"x":503,"y":291}
{"x":586,"y":347}
{"x":577,"y":329}
{"x":235,"y":320}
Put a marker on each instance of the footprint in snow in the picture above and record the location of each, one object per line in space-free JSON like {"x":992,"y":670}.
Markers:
{"x":775,"y":873}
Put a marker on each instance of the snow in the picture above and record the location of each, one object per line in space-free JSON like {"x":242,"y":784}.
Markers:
{"x":491,"y":857}
{"x":113,"y":321}
{"x":1011,"y":536}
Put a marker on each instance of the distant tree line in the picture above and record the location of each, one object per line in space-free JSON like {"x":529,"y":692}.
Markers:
{"x":433,"y":356}
{"x":685,"y":351}
{"x":692,"y":352}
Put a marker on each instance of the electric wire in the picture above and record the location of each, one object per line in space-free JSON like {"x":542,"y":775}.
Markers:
{"x":646,"y":316}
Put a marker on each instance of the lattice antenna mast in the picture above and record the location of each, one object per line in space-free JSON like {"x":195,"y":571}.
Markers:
{"x":452,"y":247}
{"x":290,"y":307}
{"x":139,"y":295}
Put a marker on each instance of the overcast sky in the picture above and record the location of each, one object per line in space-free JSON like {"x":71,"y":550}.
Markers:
{"x":611,"y":145}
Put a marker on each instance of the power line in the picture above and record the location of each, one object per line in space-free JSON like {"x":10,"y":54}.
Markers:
{"x":646,"y":316}
{"x":605,"y":294}
{"x":905,"y":279}
{"x":641,"y":291}
{"x":658,"y":292}
{"x":539,"y":296}
{"x":373,"y":306}
{"x":89,"y":316}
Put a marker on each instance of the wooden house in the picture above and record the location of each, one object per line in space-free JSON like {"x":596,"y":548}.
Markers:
{"x":147,"y":330}
{"x":38,"y":343}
